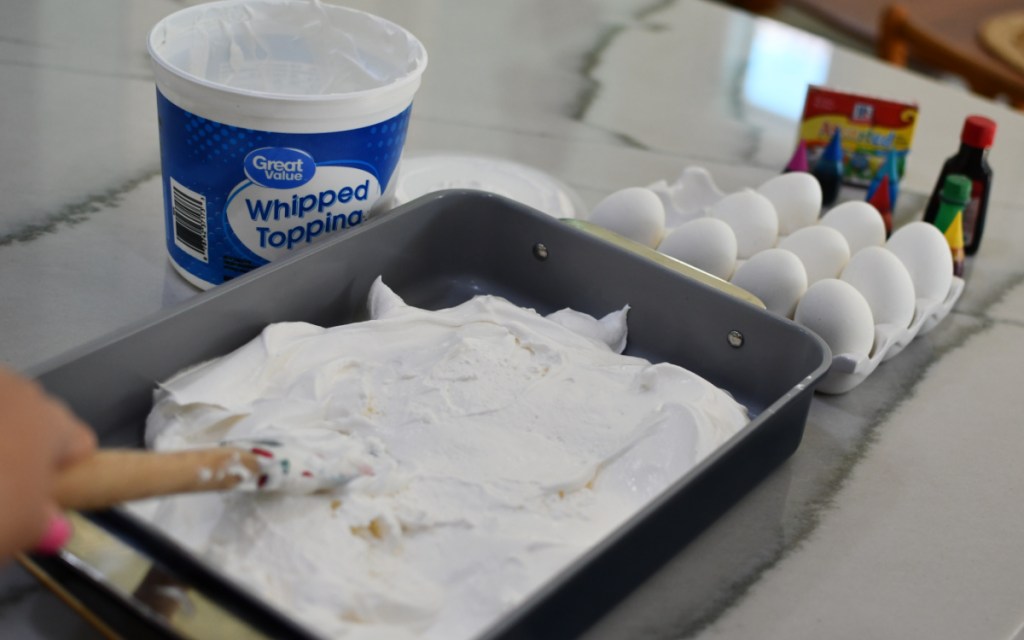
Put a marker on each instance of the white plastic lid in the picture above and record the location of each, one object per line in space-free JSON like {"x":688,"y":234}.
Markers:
{"x":286,"y":65}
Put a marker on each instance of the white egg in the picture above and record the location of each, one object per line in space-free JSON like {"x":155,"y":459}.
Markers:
{"x":923,"y":250}
{"x":634,"y":212}
{"x":706,"y":243}
{"x":796,"y":197}
{"x":777,"y":277}
{"x":752,"y":218}
{"x":859,"y":222}
{"x":885,"y":283}
{"x":838,"y":313}
{"x":823,"y":250}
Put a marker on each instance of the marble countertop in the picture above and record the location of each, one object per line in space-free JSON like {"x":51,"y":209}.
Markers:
{"x":897,"y":517}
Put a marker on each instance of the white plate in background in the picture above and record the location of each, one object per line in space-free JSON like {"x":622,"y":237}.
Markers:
{"x":419,"y":175}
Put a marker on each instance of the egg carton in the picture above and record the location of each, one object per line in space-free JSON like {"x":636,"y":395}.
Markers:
{"x":849,"y":370}
{"x":694,"y":221}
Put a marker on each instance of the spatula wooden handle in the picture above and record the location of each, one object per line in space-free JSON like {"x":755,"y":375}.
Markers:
{"x":112,"y":476}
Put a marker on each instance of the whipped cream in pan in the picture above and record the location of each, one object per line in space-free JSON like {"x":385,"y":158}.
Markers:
{"x":500,"y":445}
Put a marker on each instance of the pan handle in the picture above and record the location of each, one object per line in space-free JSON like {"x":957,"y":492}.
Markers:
{"x":666,"y":261}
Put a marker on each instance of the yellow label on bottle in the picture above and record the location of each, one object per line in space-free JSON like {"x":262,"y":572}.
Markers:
{"x":955,"y":232}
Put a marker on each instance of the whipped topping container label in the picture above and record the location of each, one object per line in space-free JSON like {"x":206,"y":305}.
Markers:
{"x":237,"y":198}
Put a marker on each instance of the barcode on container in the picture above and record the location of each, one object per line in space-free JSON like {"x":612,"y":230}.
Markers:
{"x":189,"y":212}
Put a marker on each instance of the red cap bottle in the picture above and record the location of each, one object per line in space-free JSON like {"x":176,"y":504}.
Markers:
{"x":978,"y":132}
{"x":971,"y":160}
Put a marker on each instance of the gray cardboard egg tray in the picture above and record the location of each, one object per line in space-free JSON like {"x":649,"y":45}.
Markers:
{"x":435,"y":252}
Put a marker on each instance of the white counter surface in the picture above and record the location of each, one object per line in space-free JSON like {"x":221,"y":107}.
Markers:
{"x":896,"y":518}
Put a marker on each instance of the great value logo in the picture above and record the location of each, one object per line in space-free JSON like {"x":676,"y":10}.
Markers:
{"x":279,"y":167}
{"x":271,"y":222}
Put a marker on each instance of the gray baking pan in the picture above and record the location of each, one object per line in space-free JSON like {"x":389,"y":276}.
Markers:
{"x":435,"y":252}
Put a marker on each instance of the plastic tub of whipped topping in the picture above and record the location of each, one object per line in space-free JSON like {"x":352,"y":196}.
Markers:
{"x":769,"y":364}
{"x":281,"y":124}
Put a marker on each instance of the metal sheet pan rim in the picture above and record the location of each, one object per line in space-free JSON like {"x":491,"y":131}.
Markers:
{"x":456,"y":198}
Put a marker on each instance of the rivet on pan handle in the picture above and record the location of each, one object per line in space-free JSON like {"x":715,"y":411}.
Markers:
{"x":666,"y":261}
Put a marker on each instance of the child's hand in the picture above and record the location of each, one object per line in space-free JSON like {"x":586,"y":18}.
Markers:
{"x":38,"y":437}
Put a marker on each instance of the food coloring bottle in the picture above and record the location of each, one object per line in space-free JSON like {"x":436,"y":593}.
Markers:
{"x":956,"y":193}
{"x":890,"y":168}
{"x":971,"y":161}
{"x":881,"y":199}
{"x":829,"y":169}
{"x":799,"y":160}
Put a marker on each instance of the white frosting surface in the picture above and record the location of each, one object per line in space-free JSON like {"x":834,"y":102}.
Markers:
{"x":503,"y":444}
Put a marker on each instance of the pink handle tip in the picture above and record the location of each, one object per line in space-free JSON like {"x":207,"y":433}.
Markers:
{"x":58,"y":531}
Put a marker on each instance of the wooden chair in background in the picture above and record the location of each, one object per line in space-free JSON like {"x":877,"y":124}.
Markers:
{"x":901,"y":39}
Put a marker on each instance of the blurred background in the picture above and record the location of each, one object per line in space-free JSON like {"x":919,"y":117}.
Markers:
{"x":977,"y":44}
